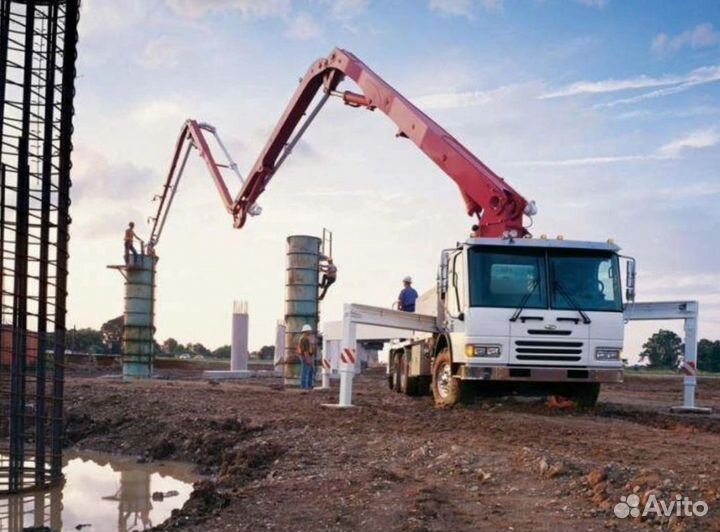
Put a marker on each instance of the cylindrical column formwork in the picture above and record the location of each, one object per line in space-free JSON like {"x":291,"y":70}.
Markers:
{"x":38,"y":41}
{"x":138,"y":326}
{"x":301,"y":296}
{"x":240,"y":329}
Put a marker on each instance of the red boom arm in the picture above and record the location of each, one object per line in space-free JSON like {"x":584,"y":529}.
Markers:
{"x":498,"y":206}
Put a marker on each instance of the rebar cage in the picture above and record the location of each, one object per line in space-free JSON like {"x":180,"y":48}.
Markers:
{"x":38,"y":41}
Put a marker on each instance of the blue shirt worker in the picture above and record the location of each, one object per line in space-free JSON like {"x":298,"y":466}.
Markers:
{"x":407,"y":297}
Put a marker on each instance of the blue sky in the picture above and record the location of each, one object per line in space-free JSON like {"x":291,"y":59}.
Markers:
{"x":605,"y":112}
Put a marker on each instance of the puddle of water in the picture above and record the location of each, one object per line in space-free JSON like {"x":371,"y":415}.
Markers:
{"x":106,"y":492}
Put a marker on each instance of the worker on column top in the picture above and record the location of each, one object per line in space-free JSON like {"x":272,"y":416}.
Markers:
{"x":130,"y":237}
{"x":408,"y":296}
{"x":329,"y":275}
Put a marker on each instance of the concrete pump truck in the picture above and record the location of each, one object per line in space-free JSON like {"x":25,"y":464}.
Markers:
{"x":507,"y":307}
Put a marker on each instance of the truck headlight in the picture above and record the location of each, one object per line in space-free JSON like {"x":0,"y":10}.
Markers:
{"x":607,"y":353}
{"x":483,"y":350}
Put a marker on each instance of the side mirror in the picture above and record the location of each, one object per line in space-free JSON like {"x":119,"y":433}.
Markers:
{"x":630,"y":281}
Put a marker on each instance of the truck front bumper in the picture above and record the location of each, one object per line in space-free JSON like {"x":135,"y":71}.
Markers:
{"x":540,"y":374}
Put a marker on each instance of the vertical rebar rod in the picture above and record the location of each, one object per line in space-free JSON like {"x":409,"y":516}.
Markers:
{"x":19,"y":363}
{"x":64,"y":183}
{"x":47,"y":168}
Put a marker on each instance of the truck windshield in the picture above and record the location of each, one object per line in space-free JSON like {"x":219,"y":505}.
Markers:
{"x":559,"y":279}
{"x":507,"y":278}
{"x":588,"y":280}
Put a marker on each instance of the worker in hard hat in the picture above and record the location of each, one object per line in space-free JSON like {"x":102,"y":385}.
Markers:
{"x":306,"y":352}
{"x":329,"y":276}
{"x":408,"y":296}
{"x":130,"y":237}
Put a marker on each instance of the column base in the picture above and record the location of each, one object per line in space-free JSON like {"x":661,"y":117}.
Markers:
{"x":690,"y":410}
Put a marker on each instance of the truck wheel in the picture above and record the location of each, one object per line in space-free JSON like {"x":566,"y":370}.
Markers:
{"x":410,"y":386}
{"x":446,"y":389}
{"x":586,"y":394}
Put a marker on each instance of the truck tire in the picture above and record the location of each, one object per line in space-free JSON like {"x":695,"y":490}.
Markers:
{"x":446,"y":389}
{"x":586,"y":394}
{"x":410,"y":386}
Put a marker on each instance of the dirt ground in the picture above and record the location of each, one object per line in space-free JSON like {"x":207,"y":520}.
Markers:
{"x":275,"y":459}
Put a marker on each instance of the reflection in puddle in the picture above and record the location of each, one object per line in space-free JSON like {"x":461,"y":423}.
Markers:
{"x":103,"y":491}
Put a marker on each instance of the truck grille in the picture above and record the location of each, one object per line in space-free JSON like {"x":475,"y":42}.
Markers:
{"x":550,"y":350}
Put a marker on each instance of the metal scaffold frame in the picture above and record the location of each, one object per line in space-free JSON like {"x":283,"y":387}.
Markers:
{"x":37,"y":72}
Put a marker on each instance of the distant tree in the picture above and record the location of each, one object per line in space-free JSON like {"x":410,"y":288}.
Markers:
{"x":112,"y":334}
{"x":198,"y":349}
{"x":266,"y":352}
{"x":171,"y":347}
{"x":221,"y":352}
{"x":663,"y":350}
{"x":84,"y":341}
{"x":709,"y":355}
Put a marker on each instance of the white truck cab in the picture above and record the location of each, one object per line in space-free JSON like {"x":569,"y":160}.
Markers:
{"x":538,"y":310}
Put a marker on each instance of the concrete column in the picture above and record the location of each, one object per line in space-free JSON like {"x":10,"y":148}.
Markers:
{"x":279,"y":344}
{"x":347,"y":370}
{"x":690,"y":380}
{"x":301,"y":297}
{"x":138,"y":330}
{"x":239,"y":345}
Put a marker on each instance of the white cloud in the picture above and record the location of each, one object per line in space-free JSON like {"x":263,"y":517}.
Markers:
{"x":696,"y":140}
{"x":155,"y":111}
{"x":705,"y":138}
{"x":461,"y":99}
{"x":249,"y":8}
{"x":593,"y":3}
{"x":161,"y":53}
{"x":451,"y":100}
{"x":701,"y":36}
{"x":463,"y":8}
{"x":103,"y":17}
{"x":303,"y":27}
{"x":97,"y":178}
{"x":347,"y":9}
{"x":666,"y":85}
{"x":700,"y":76}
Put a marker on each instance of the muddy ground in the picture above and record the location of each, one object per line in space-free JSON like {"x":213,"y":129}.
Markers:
{"x":275,"y":459}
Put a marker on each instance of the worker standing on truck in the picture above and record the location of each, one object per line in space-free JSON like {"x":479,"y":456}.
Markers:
{"x":130,"y":237}
{"x":408,"y":296}
{"x":329,"y":276}
{"x":306,"y":353}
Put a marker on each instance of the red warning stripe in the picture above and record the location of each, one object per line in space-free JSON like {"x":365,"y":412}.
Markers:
{"x":347,"y":356}
{"x":325,"y":363}
{"x":689,"y":369}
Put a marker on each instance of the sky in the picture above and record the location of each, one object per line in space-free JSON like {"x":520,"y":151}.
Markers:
{"x":605,"y":112}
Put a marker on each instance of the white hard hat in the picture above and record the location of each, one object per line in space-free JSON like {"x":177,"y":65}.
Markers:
{"x":407,"y":279}
{"x":306,"y":328}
